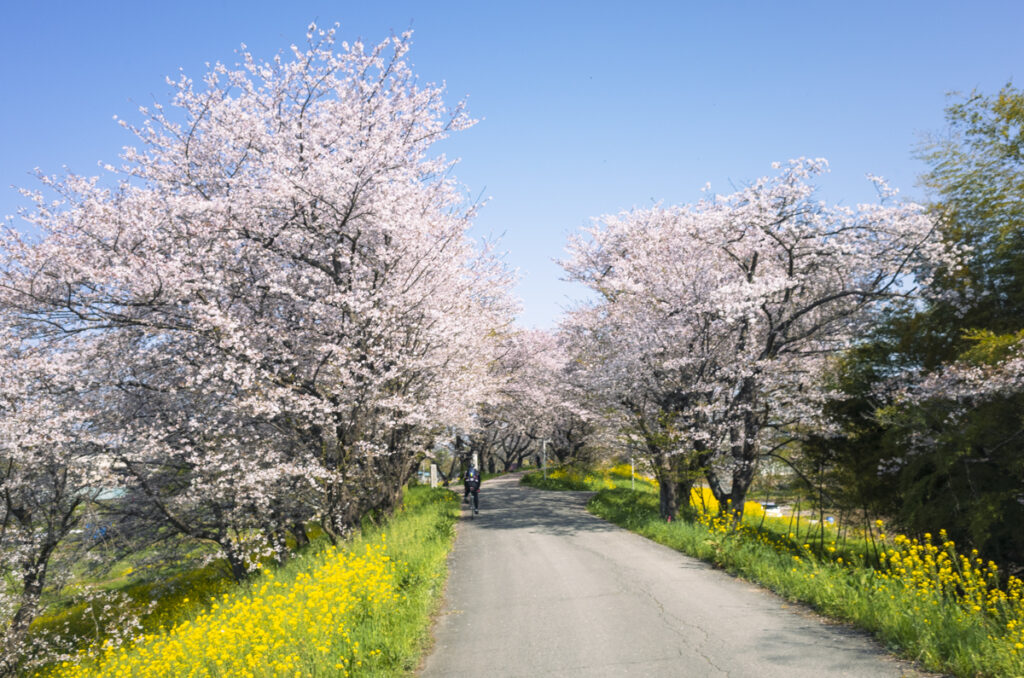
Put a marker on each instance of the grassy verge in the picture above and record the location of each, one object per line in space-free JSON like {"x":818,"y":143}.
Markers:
{"x":580,"y":478}
{"x":923,"y":600}
{"x":134,"y":596}
{"x":361,"y":609}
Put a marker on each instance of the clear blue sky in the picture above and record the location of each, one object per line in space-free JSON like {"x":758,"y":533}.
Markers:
{"x":587,"y":108}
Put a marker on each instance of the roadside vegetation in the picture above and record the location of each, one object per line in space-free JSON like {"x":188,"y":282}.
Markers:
{"x":572,"y":477}
{"x":925,"y":599}
{"x":361,"y":608}
{"x":214,"y":369}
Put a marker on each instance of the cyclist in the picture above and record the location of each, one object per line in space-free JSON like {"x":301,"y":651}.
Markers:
{"x":471,"y":481}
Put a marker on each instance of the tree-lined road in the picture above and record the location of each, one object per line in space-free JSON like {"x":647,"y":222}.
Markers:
{"x":538,"y":587}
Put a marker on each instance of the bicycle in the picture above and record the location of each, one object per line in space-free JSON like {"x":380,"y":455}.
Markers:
{"x":471,"y":483}
{"x":473,"y":500}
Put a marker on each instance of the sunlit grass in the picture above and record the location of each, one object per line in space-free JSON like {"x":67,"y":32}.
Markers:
{"x":361,"y":609}
{"x":578,"y":478}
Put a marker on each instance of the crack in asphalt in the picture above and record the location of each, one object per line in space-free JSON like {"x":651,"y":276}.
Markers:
{"x":627,"y":586}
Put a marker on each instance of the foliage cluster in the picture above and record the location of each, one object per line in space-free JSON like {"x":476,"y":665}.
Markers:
{"x":563,"y":479}
{"x":584,"y":478}
{"x":929,"y":408}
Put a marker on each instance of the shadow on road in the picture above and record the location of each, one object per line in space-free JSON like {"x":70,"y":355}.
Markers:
{"x":507,"y":505}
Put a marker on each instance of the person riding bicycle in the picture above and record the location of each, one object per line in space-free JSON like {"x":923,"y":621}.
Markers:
{"x":471,"y":481}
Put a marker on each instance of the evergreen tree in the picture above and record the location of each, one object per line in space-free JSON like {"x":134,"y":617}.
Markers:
{"x":933,"y":413}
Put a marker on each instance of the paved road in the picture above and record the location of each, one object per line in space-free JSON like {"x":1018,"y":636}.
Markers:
{"x":538,"y":587}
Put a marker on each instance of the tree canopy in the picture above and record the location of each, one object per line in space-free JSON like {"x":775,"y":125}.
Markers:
{"x":934,"y":406}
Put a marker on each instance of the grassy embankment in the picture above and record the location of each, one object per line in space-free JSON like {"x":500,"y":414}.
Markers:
{"x":950,"y":611}
{"x":362,"y":609}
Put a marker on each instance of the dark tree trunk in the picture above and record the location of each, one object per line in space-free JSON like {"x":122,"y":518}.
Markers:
{"x":298,"y":531}
{"x":675,"y":482}
{"x":745,"y":464}
{"x":743,"y":452}
{"x":238,"y":569}
{"x":668,"y":499}
{"x":33,"y":580}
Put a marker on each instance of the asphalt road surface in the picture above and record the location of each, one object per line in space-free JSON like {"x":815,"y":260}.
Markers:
{"x":539,"y":587}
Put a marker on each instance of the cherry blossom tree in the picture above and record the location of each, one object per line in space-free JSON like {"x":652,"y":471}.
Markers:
{"x":513,"y":422}
{"x":536,"y":405}
{"x":280,"y":287}
{"x":51,"y":469}
{"x":573,"y":430}
{"x":643,"y":362}
{"x":717,"y":318}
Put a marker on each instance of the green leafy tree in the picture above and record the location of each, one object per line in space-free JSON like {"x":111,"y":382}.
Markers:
{"x":932,"y":416}
{"x":977,"y":176}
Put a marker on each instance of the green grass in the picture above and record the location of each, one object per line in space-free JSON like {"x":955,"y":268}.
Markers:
{"x":154,"y":593}
{"x":557,"y":483}
{"x":938,"y":630}
{"x":579,"y":478}
{"x":420,"y":537}
{"x":382,"y":631}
